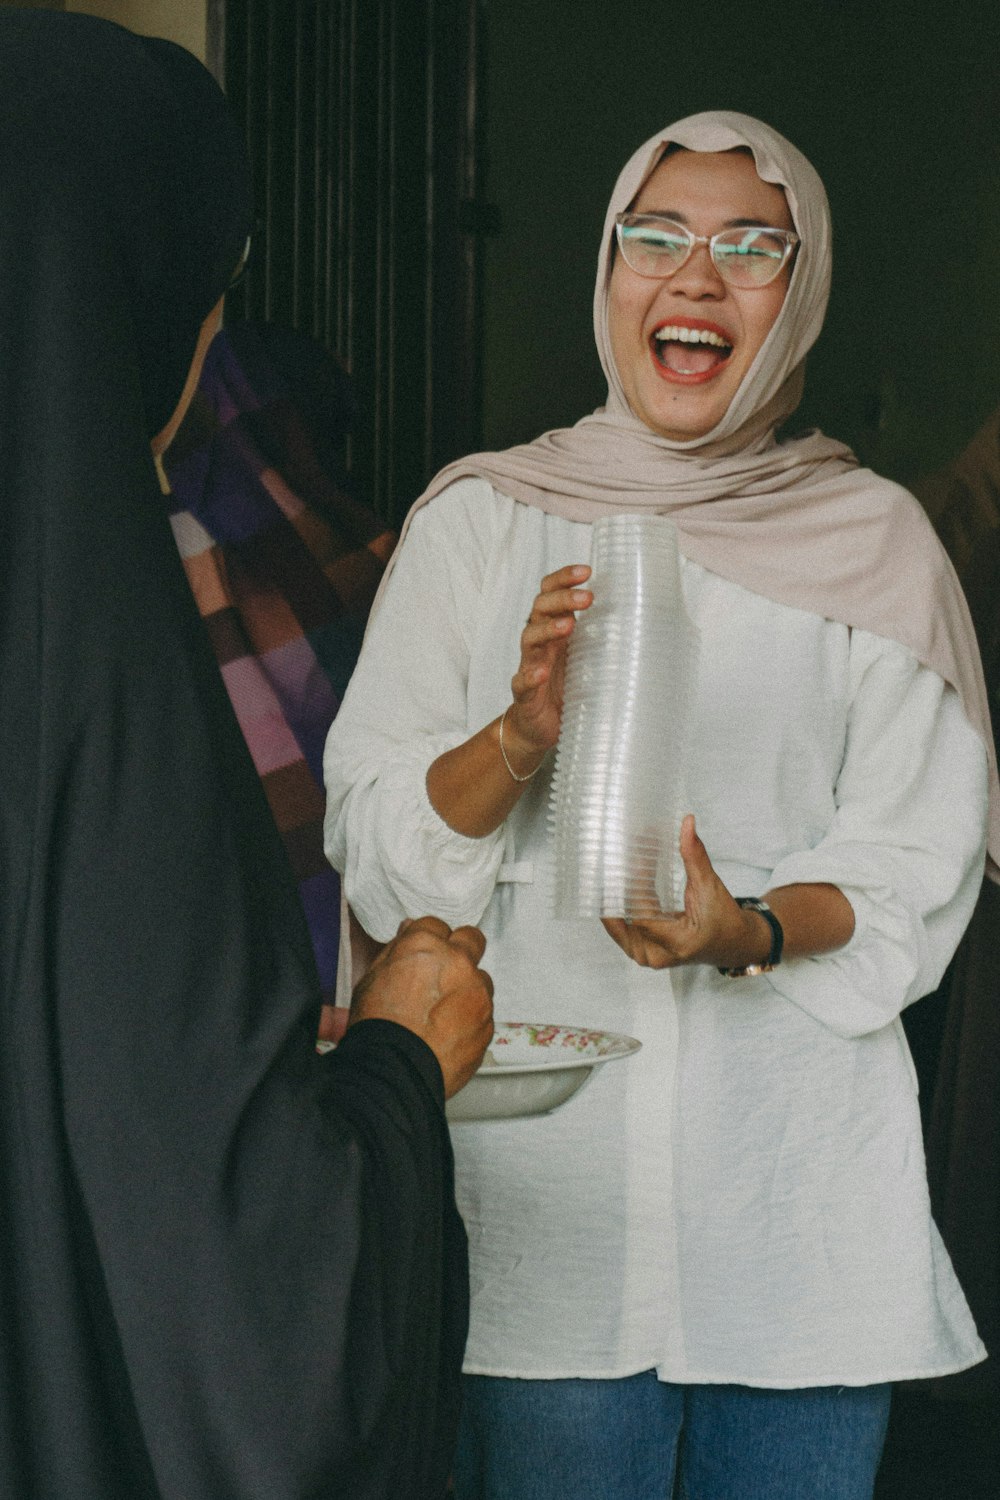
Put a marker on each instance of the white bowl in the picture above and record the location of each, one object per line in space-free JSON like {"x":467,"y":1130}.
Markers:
{"x":530,"y":1069}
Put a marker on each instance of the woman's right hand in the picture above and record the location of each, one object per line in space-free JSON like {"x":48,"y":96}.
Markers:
{"x":474,"y":787}
{"x":532,"y":723}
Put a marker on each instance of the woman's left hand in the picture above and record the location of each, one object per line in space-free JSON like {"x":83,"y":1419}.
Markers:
{"x":711,"y":929}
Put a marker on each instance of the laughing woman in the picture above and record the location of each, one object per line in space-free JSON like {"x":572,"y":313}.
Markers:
{"x":718,"y":1260}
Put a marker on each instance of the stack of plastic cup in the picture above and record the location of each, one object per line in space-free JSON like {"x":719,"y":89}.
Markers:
{"x":617,"y":790}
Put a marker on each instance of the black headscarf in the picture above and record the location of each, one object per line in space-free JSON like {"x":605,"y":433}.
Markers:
{"x":228,"y":1267}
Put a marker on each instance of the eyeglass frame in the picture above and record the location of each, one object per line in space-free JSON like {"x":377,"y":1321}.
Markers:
{"x":790,"y":238}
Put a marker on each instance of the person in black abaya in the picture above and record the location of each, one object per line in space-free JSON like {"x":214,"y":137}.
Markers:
{"x":230,"y":1269}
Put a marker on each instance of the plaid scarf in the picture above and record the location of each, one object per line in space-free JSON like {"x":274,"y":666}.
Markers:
{"x":283,"y":564}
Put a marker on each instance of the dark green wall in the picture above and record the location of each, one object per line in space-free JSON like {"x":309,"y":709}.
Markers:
{"x":897,"y":106}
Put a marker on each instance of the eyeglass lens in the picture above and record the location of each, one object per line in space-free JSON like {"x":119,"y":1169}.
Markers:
{"x":743,"y":257}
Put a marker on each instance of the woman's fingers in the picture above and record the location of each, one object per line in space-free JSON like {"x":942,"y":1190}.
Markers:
{"x":551,"y":622}
{"x":559,"y":597}
{"x":470,"y":940}
{"x":711,"y":929}
{"x":701,"y":879}
{"x":661,"y":940}
{"x":617,"y":928}
{"x":622,"y":933}
{"x":555,"y":607}
{"x":564,"y":578}
{"x":537,"y":683}
{"x":527,"y":680}
{"x":646,"y":945}
{"x":436,"y":926}
{"x":559,"y":602}
{"x":539,"y":633}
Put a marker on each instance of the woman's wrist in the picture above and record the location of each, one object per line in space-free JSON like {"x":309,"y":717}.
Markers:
{"x":751,"y":943}
{"x":472,"y":789}
{"x":521,"y":757}
{"x":759,"y":937}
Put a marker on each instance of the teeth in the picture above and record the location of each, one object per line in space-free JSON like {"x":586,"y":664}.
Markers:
{"x":676,"y":334}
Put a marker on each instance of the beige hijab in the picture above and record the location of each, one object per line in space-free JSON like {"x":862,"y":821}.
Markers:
{"x":796,"y":521}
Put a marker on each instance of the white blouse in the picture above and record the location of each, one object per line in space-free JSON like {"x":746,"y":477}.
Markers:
{"x":745,"y":1199}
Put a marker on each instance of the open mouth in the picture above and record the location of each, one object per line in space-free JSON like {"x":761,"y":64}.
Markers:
{"x":689,"y":351}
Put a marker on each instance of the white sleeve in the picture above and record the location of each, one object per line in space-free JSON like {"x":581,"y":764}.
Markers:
{"x":405,"y":705}
{"x":906,"y":844}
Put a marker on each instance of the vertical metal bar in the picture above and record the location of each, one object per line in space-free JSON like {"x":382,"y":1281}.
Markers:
{"x":255,"y":291}
{"x":349,"y":175}
{"x":376,"y":102}
{"x":298,"y":90}
{"x":311,"y":105}
{"x":470,"y":336}
{"x":430,"y":191}
{"x":391,"y":246}
{"x":470,"y":155}
{"x":381,"y":226}
{"x":341,"y":124}
{"x":331,"y":176}
{"x":345,"y":186}
{"x":321,"y":102}
{"x":270,"y":175}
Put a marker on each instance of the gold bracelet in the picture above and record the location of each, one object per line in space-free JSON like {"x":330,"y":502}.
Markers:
{"x":506,"y":761}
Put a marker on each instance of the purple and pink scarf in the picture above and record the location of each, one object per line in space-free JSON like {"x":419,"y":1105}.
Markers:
{"x":283,"y":564}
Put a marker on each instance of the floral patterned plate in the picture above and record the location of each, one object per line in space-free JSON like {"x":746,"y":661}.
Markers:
{"x":530,"y":1069}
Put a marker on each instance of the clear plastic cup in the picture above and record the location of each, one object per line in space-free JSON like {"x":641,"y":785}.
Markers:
{"x":617,"y":791}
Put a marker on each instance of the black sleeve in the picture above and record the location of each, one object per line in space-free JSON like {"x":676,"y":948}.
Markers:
{"x":283,"y":1298}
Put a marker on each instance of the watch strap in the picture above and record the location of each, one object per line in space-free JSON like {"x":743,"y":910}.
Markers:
{"x":754,"y":903}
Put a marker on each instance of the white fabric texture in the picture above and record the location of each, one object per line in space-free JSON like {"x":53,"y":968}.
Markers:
{"x":745,"y":1200}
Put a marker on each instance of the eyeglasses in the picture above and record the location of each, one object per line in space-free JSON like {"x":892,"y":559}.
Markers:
{"x":746,"y":257}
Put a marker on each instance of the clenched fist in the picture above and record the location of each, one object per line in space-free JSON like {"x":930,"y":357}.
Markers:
{"x":428,"y":979}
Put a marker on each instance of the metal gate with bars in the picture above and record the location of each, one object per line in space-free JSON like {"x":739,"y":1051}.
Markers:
{"x":364,"y":132}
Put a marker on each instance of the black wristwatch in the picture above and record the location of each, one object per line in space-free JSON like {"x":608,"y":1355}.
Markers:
{"x":754,"y":903}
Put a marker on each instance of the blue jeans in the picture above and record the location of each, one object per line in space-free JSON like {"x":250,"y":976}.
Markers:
{"x":633,"y":1439}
